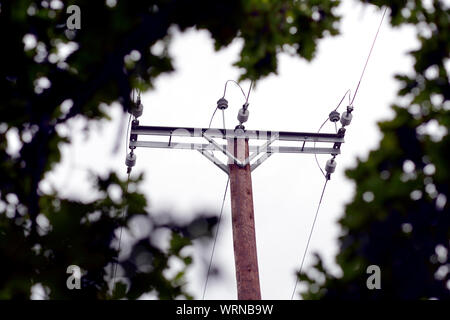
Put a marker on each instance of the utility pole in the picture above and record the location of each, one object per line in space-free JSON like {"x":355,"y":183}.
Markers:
{"x":243,"y":158}
{"x":243,"y":222}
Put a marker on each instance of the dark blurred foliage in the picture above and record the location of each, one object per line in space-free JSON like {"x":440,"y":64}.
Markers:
{"x":399,"y":218}
{"x":109,"y":56}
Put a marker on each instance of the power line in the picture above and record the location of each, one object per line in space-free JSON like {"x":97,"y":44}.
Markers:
{"x":315,"y":155}
{"x":368,"y":57}
{"x":235,"y":82}
{"x":340,"y":102}
{"x":126,"y":187}
{"x":128,"y":131}
{"x":220,"y":216}
{"x":215,"y":238}
{"x":249,"y":90}
{"x":357,"y":87}
{"x":309,"y":238}
{"x":120,"y":235}
{"x":327,"y":177}
{"x":212,"y":117}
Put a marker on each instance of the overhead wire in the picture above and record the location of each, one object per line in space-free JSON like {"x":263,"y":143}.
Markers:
{"x":368,"y":57}
{"x":315,"y":155}
{"x":359,"y":82}
{"x":212,"y":117}
{"x":249,"y":90}
{"x":128,"y":131}
{"x":351,"y":100}
{"x":235,"y":82}
{"x":340,"y":102}
{"x":215,"y":239}
{"x":309,"y":237}
{"x":126,"y":191}
{"x":218,"y":224}
{"x":246,"y":96}
{"x":120,"y":236}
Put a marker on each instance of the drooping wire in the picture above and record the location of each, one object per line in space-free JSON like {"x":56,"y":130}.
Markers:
{"x":127,"y":140}
{"x":340,"y":102}
{"x":226,"y":84}
{"x":368,"y":57}
{"x":212,"y":117}
{"x":309,"y":238}
{"x":126,"y":191}
{"x":326,"y":178}
{"x":120,"y":236}
{"x":215,"y":239}
{"x":224,"y":93}
{"x":218,"y":222}
{"x":249,"y":90}
{"x":315,"y":155}
{"x":128,"y":131}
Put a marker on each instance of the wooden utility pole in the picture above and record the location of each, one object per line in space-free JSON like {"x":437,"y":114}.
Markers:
{"x":239,"y":168}
{"x":244,"y":239}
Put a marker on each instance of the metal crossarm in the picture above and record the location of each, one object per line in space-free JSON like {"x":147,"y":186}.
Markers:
{"x":265,"y":150}
{"x":230,"y":133}
{"x":210,"y":147}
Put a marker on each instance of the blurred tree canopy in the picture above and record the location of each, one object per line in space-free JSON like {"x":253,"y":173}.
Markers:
{"x":399,"y":218}
{"x":50,"y":75}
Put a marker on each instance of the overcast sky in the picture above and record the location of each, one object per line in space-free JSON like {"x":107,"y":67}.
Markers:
{"x":287,"y":187}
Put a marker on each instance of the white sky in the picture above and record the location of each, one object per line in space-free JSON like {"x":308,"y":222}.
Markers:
{"x":286,"y":188}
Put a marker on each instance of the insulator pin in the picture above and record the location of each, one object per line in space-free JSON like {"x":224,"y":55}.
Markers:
{"x":239,"y":131}
{"x":137,"y":110}
{"x":222,"y":104}
{"x":130,"y":160}
{"x":334,"y":116}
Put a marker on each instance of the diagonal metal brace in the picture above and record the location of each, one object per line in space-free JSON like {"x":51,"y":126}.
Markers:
{"x":224,"y":151}
{"x":261,"y":149}
{"x":214,"y":160}
{"x":258,"y":162}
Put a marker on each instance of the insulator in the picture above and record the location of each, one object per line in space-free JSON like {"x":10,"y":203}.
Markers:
{"x":243,"y":115}
{"x":346,"y":118}
{"x":137,"y":110}
{"x":130,"y":160}
{"x":334,"y":116}
{"x":222,"y":104}
{"x":330,"y":167}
